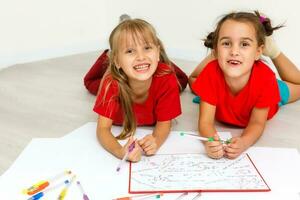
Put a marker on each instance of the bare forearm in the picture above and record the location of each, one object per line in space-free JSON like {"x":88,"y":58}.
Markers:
{"x":109,"y":142}
{"x":252,"y":133}
{"x":199,"y":68}
{"x":161,"y":132}
{"x":206,"y":129}
{"x":192,"y":79}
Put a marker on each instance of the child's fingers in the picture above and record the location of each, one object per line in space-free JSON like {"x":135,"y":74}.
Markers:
{"x":147,"y":141}
{"x":146,"y":144}
{"x":216,"y":137}
{"x":144,"y":140}
{"x":141,"y":141}
{"x":214,"y":149}
{"x":217,"y":154}
{"x":129,"y":141}
{"x":150,"y":150}
{"x":149,"y":147}
{"x":213,"y":144}
{"x":237,"y":143}
{"x":232,"y":152}
{"x":233,"y":146}
{"x":232,"y":155}
{"x":234,"y":143}
{"x":135,"y":154}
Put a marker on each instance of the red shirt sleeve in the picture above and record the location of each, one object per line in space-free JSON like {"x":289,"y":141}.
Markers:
{"x":107,"y":102}
{"x":269,"y":95}
{"x":205,"y":85}
{"x":167,"y":99}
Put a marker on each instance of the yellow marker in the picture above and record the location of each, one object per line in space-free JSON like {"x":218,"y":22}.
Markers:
{"x":63,"y":193}
{"x":38,"y":187}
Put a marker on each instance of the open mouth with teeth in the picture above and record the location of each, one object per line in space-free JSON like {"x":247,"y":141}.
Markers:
{"x":141,"y":68}
{"x":234,"y":62}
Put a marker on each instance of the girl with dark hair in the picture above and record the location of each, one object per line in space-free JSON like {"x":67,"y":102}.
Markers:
{"x":237,"y":88}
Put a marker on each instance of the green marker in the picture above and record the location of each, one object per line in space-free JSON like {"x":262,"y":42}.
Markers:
{"x":209,"y":139}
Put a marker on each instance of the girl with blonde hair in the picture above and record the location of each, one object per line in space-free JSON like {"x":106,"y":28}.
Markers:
{"x":139,"y":88}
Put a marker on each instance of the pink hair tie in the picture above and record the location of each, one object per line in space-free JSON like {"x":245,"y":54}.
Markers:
{"x":262,"y":19}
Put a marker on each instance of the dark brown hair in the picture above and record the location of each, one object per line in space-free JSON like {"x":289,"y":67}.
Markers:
{"x":261,"y":24}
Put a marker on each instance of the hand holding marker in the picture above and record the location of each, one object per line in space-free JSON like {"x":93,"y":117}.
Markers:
{"x":210,"y":139}
{"x":130,"y":148}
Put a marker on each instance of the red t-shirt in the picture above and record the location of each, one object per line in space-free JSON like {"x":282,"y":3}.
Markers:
{"x":162,"y":104}
{"x":261,"y":91}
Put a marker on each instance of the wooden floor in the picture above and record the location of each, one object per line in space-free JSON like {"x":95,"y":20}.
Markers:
{"x":47,"y":99}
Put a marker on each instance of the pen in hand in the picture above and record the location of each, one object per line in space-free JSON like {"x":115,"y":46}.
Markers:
{"x":130,"y":148}
{"x":209,"y":139}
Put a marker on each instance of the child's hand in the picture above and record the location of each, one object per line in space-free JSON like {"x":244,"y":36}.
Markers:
{"x":235,"y":148}
{"x":136,"y":154}
{"x":148,"y":144}
{"x":214,"y":148}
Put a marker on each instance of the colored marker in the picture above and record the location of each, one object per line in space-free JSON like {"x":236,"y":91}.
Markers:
{"x":156,"y":196}
{"x":141,"y":197}
{"x":197,"y":137}
{"x":181,"y":196}
{"x":41,"y":194}
{"x":197,"y":196}
{"x":84,"y":196}
{"x":210,"y":139}
{"x":63,"y":193}
{"x":130,"y":148}
{"x":39,"y":186}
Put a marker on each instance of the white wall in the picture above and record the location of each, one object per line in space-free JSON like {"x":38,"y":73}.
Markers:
{"x":36,"y":29}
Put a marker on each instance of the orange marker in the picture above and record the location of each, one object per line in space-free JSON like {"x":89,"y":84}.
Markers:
{"x":37,"y":187}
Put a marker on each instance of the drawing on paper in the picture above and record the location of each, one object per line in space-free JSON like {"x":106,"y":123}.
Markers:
{"x":172,"y":172}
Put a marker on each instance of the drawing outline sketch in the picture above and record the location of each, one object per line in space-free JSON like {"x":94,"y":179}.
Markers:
{"x":194,"y":172}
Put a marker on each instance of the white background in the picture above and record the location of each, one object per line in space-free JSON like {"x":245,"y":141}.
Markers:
{"x":38,"y":29}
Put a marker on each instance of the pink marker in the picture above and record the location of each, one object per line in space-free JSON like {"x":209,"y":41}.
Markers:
{"x":85,"y":197}
{"x":130,"y":148}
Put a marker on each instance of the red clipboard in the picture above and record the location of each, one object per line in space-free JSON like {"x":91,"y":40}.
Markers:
{"x":239,"y":177}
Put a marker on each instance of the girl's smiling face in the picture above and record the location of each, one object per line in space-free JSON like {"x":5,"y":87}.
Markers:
{"x":237,"y":49}
{"x":137,"y":57}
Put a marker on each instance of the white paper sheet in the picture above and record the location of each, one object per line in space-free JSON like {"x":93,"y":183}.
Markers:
{"x":192,"y":172}
{"x":96,"y":168}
